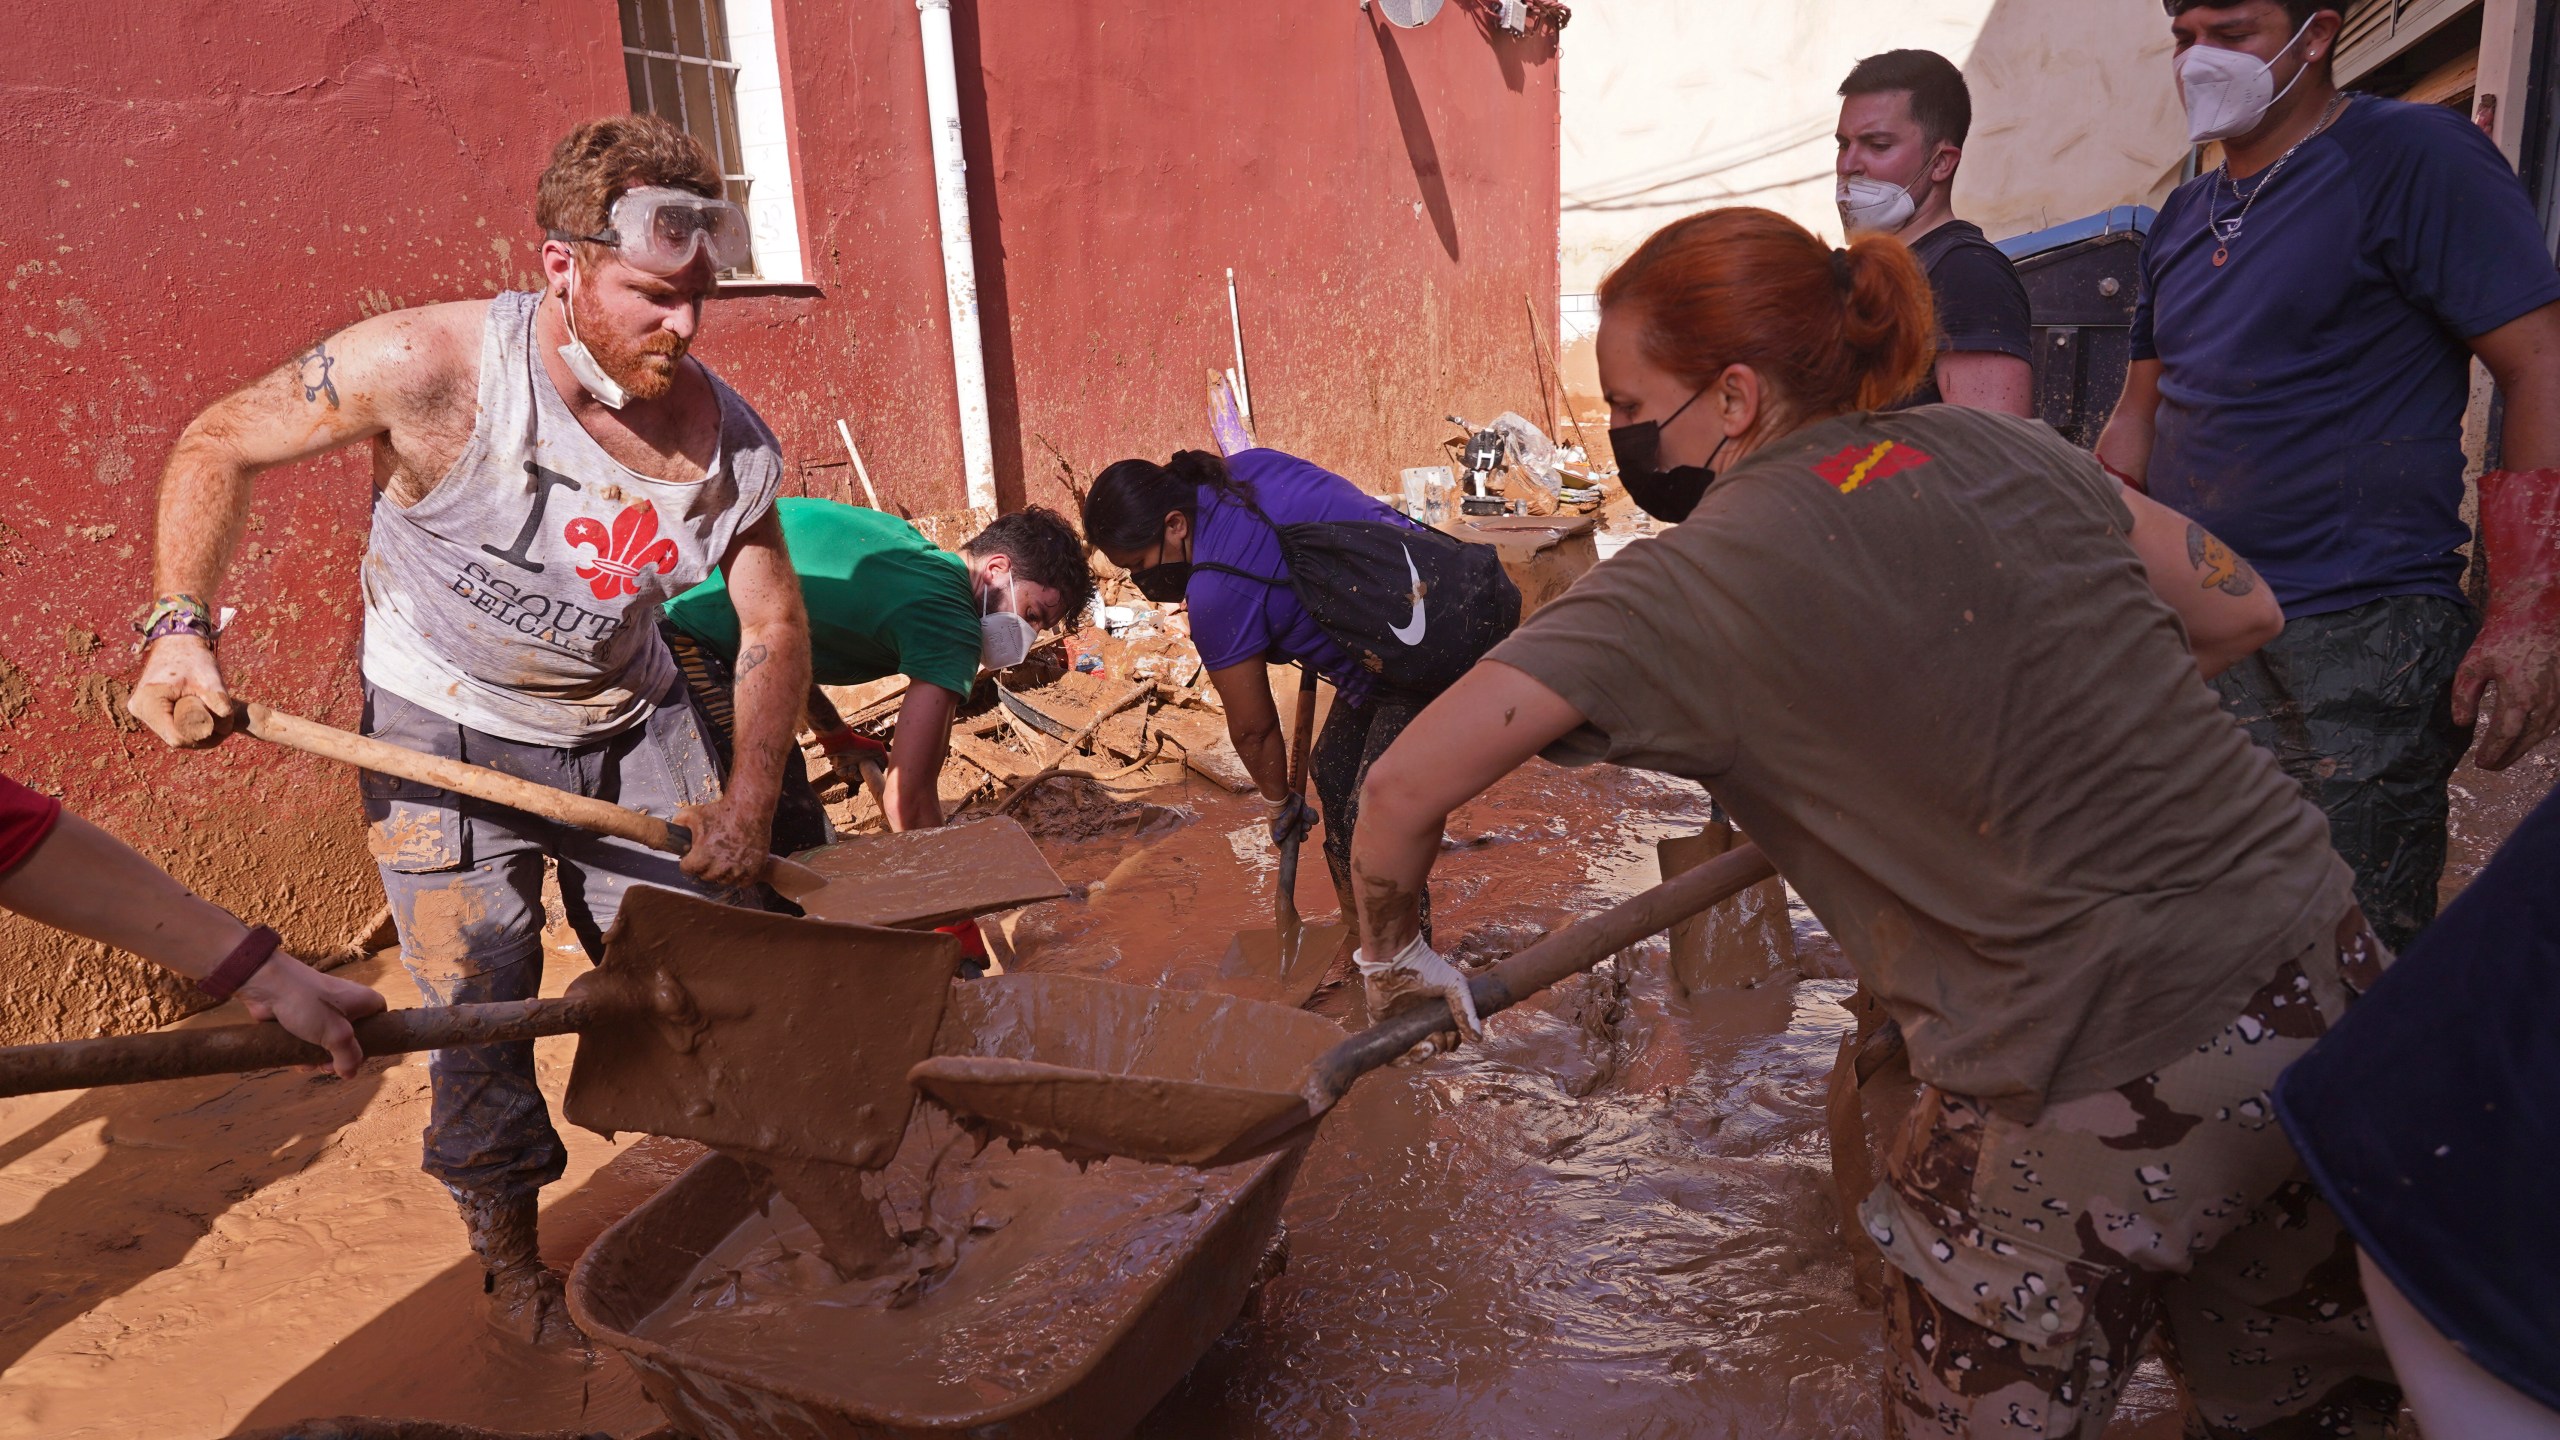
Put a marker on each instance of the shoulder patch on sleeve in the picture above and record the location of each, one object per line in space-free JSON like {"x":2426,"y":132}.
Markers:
{"x":1855,"y":465}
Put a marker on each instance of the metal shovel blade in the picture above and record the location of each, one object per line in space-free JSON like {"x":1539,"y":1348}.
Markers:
{"x":921,"y":878}
{"x":757,"y":1033}
{"x":1278,"y":967}
{"x":1095,"y":1068}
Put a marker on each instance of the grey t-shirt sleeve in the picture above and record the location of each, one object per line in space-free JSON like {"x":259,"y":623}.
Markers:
{"x":1625,"y":647}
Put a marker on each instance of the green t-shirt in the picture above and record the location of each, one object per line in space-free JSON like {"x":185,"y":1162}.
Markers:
{"x":882,"y":599}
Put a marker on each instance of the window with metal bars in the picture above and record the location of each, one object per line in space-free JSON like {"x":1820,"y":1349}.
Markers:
{"x":676,"y":54}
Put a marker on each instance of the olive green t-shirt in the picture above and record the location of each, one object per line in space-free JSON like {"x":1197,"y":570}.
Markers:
{"x":1916,"y":657}
{"x":883,"y":600}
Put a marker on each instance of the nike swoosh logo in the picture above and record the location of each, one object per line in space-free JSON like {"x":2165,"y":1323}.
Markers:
{"x":1410,"y":632}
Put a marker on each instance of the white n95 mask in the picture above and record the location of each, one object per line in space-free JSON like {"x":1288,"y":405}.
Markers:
{"x":2226,"y":92}
{"x":582,"y":361}
{"x":1004,"y":638}
{"x":1867,"y":204}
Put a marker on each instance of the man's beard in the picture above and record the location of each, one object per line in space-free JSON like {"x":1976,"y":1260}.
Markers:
{"x":645,"y":371}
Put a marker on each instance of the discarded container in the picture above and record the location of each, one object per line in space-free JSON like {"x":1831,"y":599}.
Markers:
{"x":1422,"y":484}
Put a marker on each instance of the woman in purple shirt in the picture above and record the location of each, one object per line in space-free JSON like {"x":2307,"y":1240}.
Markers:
{"x":1199,"y":529}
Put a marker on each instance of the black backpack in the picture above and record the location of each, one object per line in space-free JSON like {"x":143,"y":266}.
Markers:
{"x":1416,"y":607}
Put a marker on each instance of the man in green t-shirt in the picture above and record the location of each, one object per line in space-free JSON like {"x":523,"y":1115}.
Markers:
{"x":883,"y":600}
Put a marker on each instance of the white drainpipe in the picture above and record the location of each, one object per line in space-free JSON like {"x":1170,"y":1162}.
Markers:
{"x":959,"y":263}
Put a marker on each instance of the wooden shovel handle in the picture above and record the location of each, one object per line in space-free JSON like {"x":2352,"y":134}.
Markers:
{"x":479,"y":782}
{"x":228,"y":1049}
{"x":1302,"y":728}
{"x":1569,"y":951}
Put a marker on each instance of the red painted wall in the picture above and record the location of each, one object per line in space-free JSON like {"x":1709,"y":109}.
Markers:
{"x":198,"y":190}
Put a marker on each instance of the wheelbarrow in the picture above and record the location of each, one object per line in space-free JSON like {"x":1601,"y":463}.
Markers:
{"x":1101,"y":1289}
{"x":998,"y":1344}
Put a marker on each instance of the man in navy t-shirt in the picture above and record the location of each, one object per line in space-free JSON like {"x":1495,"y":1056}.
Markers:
{"x":2301,"y":360}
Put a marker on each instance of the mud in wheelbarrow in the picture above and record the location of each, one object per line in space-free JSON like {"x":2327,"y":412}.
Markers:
{"x":1040,"y":1300}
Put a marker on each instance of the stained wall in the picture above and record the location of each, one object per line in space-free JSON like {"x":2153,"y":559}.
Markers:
{"x":198,"y":190}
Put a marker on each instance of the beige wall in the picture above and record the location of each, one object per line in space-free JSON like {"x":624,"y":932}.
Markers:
{"x":1671,"y":106}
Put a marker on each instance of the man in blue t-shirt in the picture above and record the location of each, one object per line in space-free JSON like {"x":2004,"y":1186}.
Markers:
{"x":2301,"y":356}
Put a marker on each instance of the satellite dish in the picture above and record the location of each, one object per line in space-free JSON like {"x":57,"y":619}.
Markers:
{"x":1407,"y":14}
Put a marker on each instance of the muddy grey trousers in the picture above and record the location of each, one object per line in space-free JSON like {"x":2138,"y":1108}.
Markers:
{"x":465,"y":883}
{"x":1354,"y":737}
{"x":2358,"y":708}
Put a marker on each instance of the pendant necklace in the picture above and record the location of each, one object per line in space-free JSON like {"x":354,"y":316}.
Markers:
{"x":2228,"y":230}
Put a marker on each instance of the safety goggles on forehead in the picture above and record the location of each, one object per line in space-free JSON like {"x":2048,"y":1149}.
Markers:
{"x":658,"y":230}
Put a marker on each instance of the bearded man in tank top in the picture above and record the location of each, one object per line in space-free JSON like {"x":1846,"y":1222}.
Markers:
{"x":549,"y":468}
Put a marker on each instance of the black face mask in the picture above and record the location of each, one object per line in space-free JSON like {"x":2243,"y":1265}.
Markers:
{"x":1666,"y":495}
{"x":1166,"y":583}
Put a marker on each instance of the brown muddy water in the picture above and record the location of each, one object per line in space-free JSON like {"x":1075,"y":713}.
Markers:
{"x":1612,"y":1218}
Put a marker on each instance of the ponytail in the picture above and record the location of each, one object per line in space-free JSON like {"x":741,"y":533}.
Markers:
{"x":1888,"y":320}
{"x":1125,"y":509}
{"x":1828,"y":330}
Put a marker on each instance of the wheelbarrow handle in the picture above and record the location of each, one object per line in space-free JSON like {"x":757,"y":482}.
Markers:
{"x":584,"y":812}
{"x":229,"y":1049}
{"x":1569,"y":951}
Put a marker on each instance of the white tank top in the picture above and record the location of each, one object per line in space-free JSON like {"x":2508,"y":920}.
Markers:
{"x":521,"y":596}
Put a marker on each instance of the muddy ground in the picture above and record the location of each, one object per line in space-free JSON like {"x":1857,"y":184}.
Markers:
{"x":1610,"y":1219}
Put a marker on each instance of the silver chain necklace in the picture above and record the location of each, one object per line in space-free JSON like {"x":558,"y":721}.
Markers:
{"x":2228,"y":230}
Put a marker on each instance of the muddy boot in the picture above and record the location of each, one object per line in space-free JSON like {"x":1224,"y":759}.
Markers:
{"x":525,"y":1300}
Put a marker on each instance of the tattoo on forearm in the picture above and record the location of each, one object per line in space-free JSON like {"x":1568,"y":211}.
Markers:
{"x":748,"y":660}
{"x":2216,"y":565}
{"x":313,"y":367}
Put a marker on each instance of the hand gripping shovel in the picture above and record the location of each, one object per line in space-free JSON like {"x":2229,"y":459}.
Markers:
{"x":1286,"y":963}
{"x":759,"y":1034}
{"x":919,"y":879}
{"x":1192,"y":1078}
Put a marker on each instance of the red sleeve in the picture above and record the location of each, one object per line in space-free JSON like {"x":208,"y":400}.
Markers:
{"x":25,"y":819}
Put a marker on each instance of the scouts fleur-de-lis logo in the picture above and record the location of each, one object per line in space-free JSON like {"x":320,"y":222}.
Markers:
{"x":633,"y":546}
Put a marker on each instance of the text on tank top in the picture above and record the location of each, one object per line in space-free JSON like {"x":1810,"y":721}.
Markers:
{"x":519,"y":597}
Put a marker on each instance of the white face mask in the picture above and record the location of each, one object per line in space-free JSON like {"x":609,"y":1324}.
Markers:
{"x":582,"y":361}
{"x":1004,"y":638}
{"x":2226,"y":92}
{"x":1867,"y":204}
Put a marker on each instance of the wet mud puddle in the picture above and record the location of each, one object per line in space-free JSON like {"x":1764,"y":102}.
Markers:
{"x":1018,"y":1267}
{"x":1612,"y":1218}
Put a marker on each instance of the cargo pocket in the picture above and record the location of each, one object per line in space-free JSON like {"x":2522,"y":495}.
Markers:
{"x":412,"y":829}
{"x":1928,"y":1217}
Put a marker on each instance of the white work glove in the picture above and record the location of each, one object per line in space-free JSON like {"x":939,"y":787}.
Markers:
{"x":1417,"y":971}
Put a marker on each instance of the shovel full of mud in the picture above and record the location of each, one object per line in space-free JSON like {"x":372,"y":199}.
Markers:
{"x":1091,"y":1068}
{"x":780,"y":1039}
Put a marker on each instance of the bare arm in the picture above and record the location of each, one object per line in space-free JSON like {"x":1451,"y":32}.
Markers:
{"x":2510,"y":682}
{"x":86,"y":881}
{"x":2229,"y":612}
{"x":911,"y":787}
{"x":354,"y":385}
{"x":1988,"y":380}
{"x":2523,"y":356}
{"x":732,"y":835}
{"x":1253,"y":725}
{"x":1479,"y":730}
{"x":2124,"y":447}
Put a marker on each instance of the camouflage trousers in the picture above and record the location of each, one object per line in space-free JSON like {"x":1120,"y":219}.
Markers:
{"x":2034,"y":1260}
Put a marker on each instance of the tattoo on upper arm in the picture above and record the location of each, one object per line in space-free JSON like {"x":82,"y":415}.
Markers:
{"x":748,"y":659}
{"x":2219,"y":568}
{"x":312,"y":368}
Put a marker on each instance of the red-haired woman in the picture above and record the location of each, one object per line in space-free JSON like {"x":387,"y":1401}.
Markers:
{"x":1949,"y":676}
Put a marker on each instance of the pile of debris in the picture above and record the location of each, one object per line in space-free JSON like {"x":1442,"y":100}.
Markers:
{"x":1104,"y":707}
